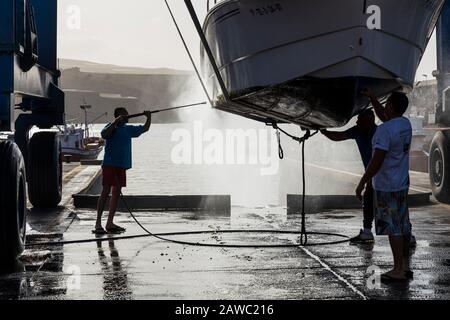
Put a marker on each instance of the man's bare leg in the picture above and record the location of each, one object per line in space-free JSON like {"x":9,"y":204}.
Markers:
{"x":101,"y":205}
{"x":406,"y":252}
{"x":396,"y":243}
{"x":113,"y":207}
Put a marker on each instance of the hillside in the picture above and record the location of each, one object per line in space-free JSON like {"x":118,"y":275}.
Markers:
{"x":94,"y":67}
{"x":106,"y":87}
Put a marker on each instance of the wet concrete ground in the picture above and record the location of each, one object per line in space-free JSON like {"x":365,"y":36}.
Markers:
{"x":148,"y":268}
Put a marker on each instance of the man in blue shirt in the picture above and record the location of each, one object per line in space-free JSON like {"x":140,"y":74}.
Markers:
{"x":117,"y":160}
{"x":362,"y":133}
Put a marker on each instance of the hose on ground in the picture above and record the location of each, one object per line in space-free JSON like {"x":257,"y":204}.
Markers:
{"x":162,"y":236}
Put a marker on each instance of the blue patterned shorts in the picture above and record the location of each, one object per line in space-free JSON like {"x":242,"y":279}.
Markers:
{"x":392,"y":213}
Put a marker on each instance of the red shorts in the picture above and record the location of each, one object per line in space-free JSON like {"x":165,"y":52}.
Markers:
{"x":113,"y":176}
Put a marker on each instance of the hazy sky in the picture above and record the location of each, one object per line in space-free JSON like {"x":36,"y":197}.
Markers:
{"x":127,"y":32}
{"x":140,"y":33}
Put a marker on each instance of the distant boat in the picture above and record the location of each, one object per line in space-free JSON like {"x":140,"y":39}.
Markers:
{"x":305,"y":62}
{"x":77,"y":144}
{"x":77,"y":147}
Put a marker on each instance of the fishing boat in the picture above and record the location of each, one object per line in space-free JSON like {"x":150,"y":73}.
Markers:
{"x":306,"y":62}
{"x":76,"y":146}
{"x":77,"y":143}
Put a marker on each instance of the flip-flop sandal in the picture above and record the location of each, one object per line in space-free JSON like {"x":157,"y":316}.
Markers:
{"x":387,"y":278}
{"x":116,"y":230}
{"x":99,"y":231}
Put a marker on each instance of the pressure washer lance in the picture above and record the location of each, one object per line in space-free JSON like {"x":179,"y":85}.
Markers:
{"x":137,"y":115}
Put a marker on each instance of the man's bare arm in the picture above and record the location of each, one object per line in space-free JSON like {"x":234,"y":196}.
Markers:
{"x":335,"y":136}
{"x":108,"y":133}
{"x":148,"y":123}
{"x":373,"y":168}
{"x":379,"y":109}
{"x":377,"y":106}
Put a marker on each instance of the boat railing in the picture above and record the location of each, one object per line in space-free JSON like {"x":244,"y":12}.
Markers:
{"x":212,"y":3}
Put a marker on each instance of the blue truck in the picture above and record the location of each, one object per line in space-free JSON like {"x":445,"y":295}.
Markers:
{"x":30,"y":168}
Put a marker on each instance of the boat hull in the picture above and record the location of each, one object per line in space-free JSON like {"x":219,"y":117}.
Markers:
{"x":305,"y":62}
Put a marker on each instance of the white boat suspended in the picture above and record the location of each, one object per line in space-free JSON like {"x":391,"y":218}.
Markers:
{"x":305,"y":62}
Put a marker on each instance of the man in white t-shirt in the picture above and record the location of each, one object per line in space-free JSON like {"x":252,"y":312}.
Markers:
{"x":389,"y":171}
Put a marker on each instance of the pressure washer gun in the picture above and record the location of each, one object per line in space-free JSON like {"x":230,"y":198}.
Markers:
{"x":137,"y":115}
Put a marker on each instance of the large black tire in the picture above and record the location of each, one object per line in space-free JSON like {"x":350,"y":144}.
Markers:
{"x":44,"y":170}
{"x":13,"y":202}
{"x":439,"y":167}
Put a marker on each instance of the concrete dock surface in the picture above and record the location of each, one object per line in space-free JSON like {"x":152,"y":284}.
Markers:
{"x":149,"y":268}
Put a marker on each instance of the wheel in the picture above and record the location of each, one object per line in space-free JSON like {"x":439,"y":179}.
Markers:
{"x":439,"y":167}
{"x":13,"y":202}
{"x":44,"y":170}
